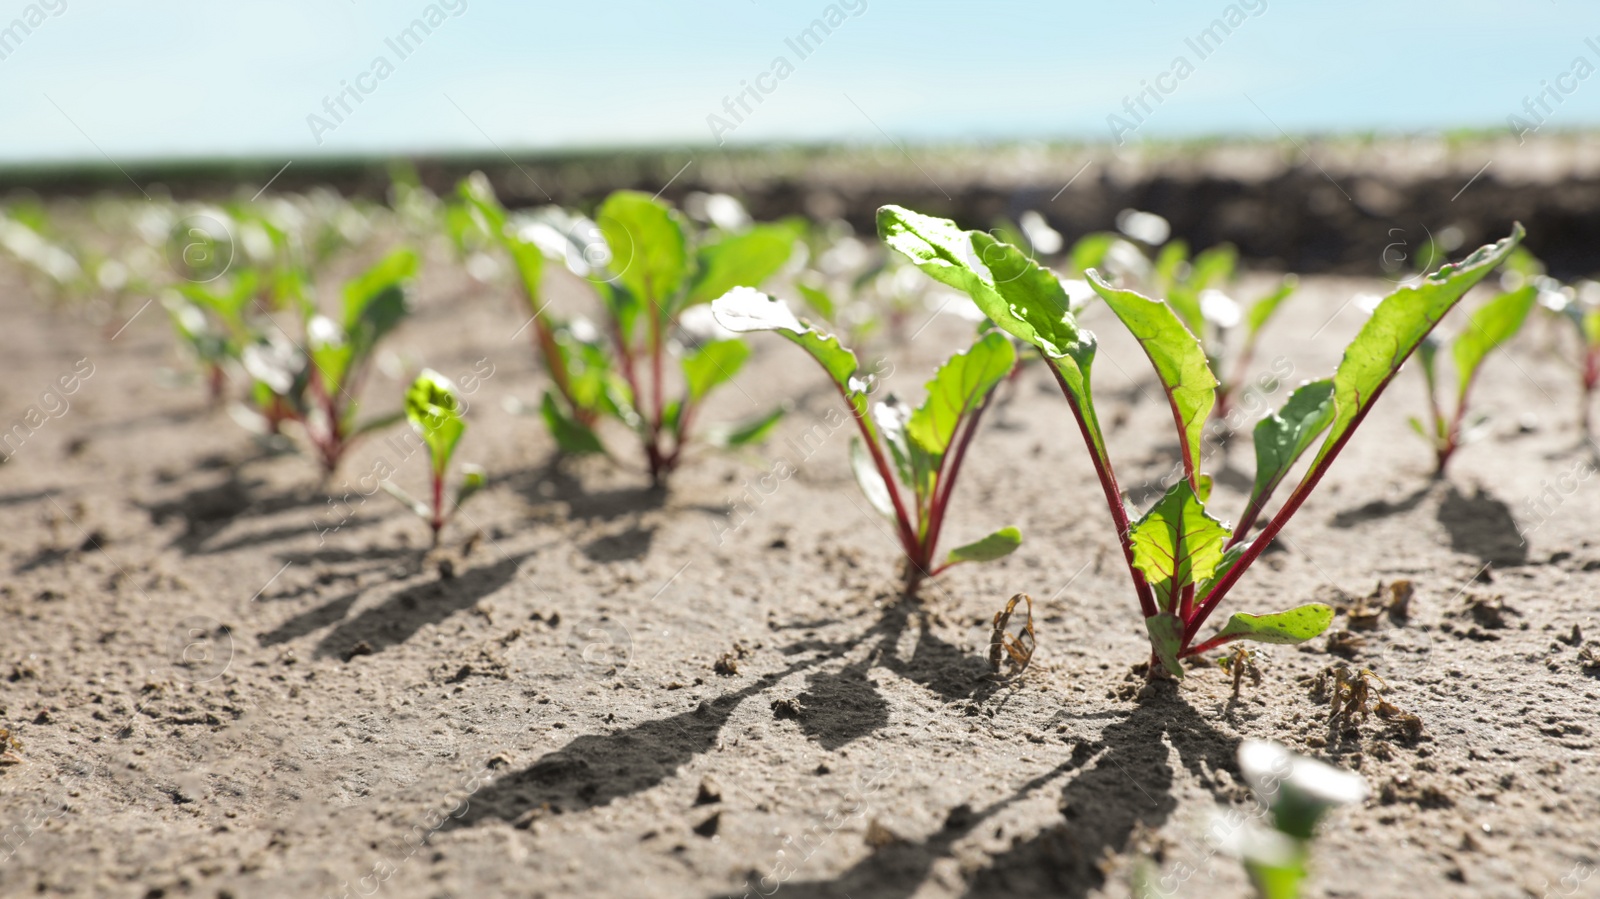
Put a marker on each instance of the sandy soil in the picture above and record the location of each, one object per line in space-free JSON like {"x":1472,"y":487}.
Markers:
{"x":227,"y":682}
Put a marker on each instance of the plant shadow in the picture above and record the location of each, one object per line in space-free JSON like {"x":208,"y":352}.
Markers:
{"x":1382,"y":508}
{"x":1125,"y":782}
{"x":205,"y":511}
{"x":397,"y":618}
{"x":595,"y":769}
{"x":555,"y":482}
{"x":1481,"y":525}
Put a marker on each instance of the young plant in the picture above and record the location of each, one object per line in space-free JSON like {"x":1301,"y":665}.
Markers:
{"x":433,"y":406}
{"x":1294,"y":793}
{"x":341,"y":353}
{"x":1489,"y":326}
{"x":1579,"y":306}
{"x":901,"y":451}
{"x":639,"y":256}
{"x":1183,"y":562}
{"x":211,"y":320}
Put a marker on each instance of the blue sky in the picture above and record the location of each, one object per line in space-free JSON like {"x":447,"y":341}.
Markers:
{"x":164,"y":78}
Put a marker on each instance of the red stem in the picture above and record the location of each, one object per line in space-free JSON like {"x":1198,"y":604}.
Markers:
{"x":438,"y":506}
{"x":1290,"y":506}
{"x":1108,"y":484}
{"x":945,"y":484}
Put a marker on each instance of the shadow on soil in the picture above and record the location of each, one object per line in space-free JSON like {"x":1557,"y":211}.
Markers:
{"x":205,"y":511}
{"x":1127,"y":784}
{"x":397,"y":618}
{"x":1382,"y":508}
{"x":1481,"y":525}
{"x":596,"y":769}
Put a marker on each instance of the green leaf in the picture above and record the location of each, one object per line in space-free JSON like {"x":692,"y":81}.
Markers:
{"x":473,"y":479}
{"x":1166,"y":637}
{"x":872,"y":484}
{"x":1297,"y":625}
{"x":1263,"y":309}
{"x":1230,"y":557}
{"x":748,"y":431}
{"x":712,"y":364}
{"x":570,"y":435}
{"x":1394,"y":330}
{"x":1016,"y":294}
{"x":479,"y":196}
{"x":1281,"y":438}
{"x":1177,"y":543}
{"x":959,"y":385}
{"x":1489,"y":326}
{"x":434,"y":410}
{"x":1179,"y":360}
{"x":1020,"y":297}
{"x":998,"y":545}
{"x":743,"y":260}
{"x":745,"y":309}
{"x":649,"y":253}
{"x":375,"y":300}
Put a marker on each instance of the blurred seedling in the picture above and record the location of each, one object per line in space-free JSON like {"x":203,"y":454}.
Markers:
{"x":651,"y":273}
{"x":1182,"y":561}
{"x":905,"y":460}
{"x":323,"y":393}
{"x":1298,"y":793}
{"x":1488,"y":327}
{"x":1014,"y":652}
{"x":433,"y":407}
{"x":1579,"y":306}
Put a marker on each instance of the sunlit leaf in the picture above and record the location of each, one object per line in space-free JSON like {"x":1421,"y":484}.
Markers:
{"x":649,"y":252}
{"x":1297,"y":625}
{"x":745,"y":309}
{"x":1396,"y":327}
{"x":1178,"y":357}
{"x":1281,"y":438}
{"x":434,"y":410}
{"x":872,"y":484}
{"x":997,"y":545}
{"x":1177,"y":543}
{"x":957,"y":388}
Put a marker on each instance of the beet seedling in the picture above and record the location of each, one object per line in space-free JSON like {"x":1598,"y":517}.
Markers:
{"x":1182,"y":561}
{"x":433,"y":406}
{"x":1580,"y":307}
{"x":1489,"y":326}
{"x":1295,"y":792}
{"x":901,"y":450}
{"x":639,"y":257}
{"x":341,"y":353}
{"x":212,"y":323}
